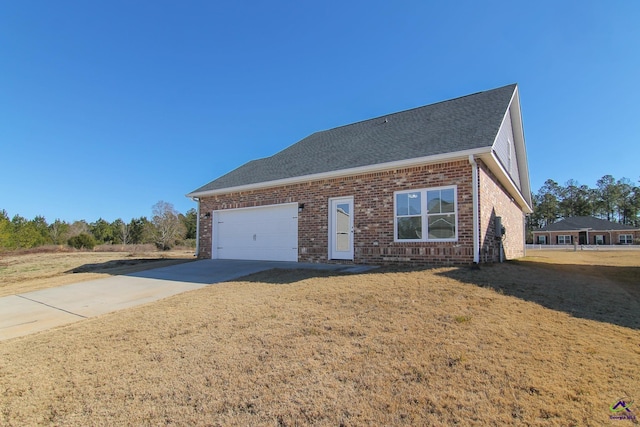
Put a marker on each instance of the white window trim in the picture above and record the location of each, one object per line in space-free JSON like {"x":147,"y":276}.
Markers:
{"x":599,"y":239}
{"x":542,"y":240}
{"x":424,"y":214}
{"x":628,"y":239}
{"x":564,"y":238}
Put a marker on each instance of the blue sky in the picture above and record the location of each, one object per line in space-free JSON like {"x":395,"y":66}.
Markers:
{"x":107,"y":107}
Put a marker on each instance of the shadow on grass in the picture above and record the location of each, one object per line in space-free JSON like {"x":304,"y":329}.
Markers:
{"x":215,"y":271}
{"x":602,"y":293}
{"x":281,"y":276}
{"x":126,"y":265}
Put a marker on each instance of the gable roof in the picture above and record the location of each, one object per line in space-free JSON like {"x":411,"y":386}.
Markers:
{"x":577,"y":223}
{"x":465,"y":125}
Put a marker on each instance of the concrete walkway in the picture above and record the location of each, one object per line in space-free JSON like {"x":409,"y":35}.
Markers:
{"x":41,"y":310}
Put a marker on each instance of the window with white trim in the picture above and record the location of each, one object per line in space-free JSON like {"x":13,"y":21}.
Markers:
{"x":626,"y":239}
{"x":426,"y":215}
{"x":542,"y":240}
{"x":599,"y":239}
{"x":564,"y":239}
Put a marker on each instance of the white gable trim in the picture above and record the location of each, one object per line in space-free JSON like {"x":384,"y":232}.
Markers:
{"x":523,"y":190}
{"x":520,"y":146}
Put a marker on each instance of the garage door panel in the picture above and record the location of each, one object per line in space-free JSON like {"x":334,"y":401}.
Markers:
{"x":260,"y":222}
{"x":265,"y":233}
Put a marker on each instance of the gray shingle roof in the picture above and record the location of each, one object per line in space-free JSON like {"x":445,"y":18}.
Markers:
{"x":459,"y":124}
{"x":581,"y":222}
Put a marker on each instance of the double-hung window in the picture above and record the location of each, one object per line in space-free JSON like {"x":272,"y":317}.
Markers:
{"x":564,"y":239}
{"x":626,"y":239}
{"x":427,"y":215}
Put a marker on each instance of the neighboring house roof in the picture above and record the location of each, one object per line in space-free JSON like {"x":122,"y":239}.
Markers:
{"x":466,"y":125}
{"x":579,"y":223}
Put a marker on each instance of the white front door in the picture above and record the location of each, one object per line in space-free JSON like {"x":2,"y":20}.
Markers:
{"x":341,"y":228}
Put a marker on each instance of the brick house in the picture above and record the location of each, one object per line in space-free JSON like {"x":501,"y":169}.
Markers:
{"x":586,"y":230}
{"x":438,"y":184}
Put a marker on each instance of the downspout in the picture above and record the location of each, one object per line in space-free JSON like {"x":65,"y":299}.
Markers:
{"x":197,"y":199}
{"x":524,"y":234}
{"x":476,"y":228}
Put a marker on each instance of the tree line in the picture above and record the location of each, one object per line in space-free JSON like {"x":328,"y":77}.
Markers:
{"x":166,"y":228}
{"x":611,"y":199}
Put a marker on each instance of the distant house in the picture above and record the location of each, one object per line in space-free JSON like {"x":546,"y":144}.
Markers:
{"x":435,"y":184}
{"x":586,"y":230}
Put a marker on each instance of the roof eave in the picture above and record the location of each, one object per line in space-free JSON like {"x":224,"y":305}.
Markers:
{"x":438,"y":158}
{"x":572,"y":230}
{"x":524,"y":189}
{"x":523,"y":161}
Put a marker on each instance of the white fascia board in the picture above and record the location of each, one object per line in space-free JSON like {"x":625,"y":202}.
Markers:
{"x":438,"y":158}
{"x":521,"y":148}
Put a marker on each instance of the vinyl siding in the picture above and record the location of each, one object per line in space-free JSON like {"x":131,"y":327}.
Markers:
{"x":505,"y":150}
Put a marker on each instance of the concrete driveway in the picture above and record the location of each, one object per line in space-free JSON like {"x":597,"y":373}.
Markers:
{"x":36,"y":311}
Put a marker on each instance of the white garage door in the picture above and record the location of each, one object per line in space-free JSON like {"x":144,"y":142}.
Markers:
{"x":264,"y":233}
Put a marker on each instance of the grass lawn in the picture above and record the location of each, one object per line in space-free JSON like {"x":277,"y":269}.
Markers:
{"x":553,"y":339}
{"x":28,"y":272}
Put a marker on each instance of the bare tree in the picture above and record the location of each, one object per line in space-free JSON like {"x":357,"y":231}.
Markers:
{"x":167,"y":225}
{"x":58,"y":232}
{"x":124,"y":232}
{"x":78,"y":227}
{"x":121,"y":231}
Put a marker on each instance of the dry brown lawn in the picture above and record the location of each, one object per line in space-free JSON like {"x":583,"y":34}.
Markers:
{"x":519,"y":343}
{"x":621,"y":266}
{"x":21,"y":273}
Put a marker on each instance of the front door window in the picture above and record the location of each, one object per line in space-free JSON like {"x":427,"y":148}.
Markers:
{"x":341,"y":228}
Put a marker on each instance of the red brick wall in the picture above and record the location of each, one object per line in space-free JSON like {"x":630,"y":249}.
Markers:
{"x":496,"y":202}
{"x":373,"y":216}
